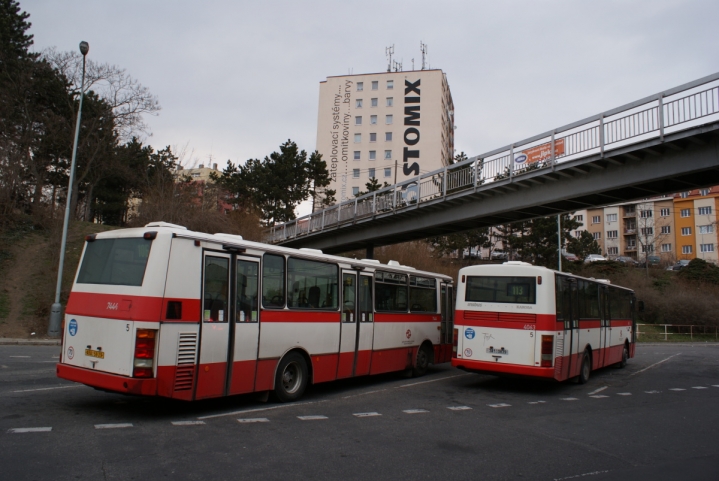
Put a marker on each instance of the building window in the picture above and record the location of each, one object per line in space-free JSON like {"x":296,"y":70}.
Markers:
{"x":390,"y":84}
{"x":706,"y":247}
{"x":704,"y":191}
{"x":374,"y":102}
{"x":373,"y":137}
{"x":647,"y":230}
{"x":646,"y":213}
{"x":649,"y":248}
{"x":355,"y":190}
{"x":388,"y":136}
{"x":375,"y":85}
{"x":686,"y":249}
{"x":372,"y":155}
{"x":358,"y":138}
{"x":388,"y":119}
{"x":629,"y":211}
{"x":577,"y":233}
{"x":597,"y":235}
{"x":388,"y":172}
{"x":611,"y":217}
{"x":686,"y":231}
{"x":705,"y":210}
{"x":387,"y":154}
{"x":666,"y":247}
{"x":612,"y":234}
{"x":390,"y":101}
{"x":360,"y":86}
{"x":684,"y":195}
{"x":357,"y":155}
{"x":612,"y":251}
{"x":358,"y":120}
{"x":371,"y":173}
{"x":706,"y":229}
{"x":579,"y":217}
{"x":596,"y":219}
{"x":355,"y":173}
{"x":358,"y":103}
{"x":686,"y":212}
{"x":373,"y":120}
{"x":632,"y":243}
{"x":666,"y":229}
{"x":664,"y":212}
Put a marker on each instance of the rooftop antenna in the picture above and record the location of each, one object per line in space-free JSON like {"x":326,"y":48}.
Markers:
{"x":412,"y":64}
{"x":423,"y":48}
{"x":397,"y":66}
{"x":389,"y":51}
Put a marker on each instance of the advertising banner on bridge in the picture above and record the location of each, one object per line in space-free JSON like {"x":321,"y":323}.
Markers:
{"x":539,"y":153}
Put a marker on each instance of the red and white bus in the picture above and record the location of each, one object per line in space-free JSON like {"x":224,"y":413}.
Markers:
{"x":164,"y":311}
{"x":518,"y":319}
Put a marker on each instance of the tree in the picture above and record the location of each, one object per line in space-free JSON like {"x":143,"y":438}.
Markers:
{"x":320,"y":178}
{"x":584,"y":245}
{"x":461,"y":241}
{"x":536,"y":240}
{"x":372,"y":186}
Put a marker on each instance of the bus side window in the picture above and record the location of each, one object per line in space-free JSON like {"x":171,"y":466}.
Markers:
{"x":217,"y":271}
{"x":273,"y":281}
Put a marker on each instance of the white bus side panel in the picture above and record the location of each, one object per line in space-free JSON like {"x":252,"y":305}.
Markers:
{"x":276,"y":338}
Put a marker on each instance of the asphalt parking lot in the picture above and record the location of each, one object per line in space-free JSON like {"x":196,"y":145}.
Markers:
{"x":656,"y":419}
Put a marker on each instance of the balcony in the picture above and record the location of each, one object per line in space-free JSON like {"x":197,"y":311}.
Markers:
{"x":630,"y":231}
{"x":630,"y":249}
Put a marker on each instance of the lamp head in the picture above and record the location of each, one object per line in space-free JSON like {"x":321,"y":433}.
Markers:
{"x":84,"y":48}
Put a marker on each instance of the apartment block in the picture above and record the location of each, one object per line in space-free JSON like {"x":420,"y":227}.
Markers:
{"x":696,"y":224}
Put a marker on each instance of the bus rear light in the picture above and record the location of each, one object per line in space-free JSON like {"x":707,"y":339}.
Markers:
{"x":144,"y":353}
{"x":547,"y":348}
{"x":455,"y":341}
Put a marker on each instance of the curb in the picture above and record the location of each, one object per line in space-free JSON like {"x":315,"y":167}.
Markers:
{"x":29,"y":342}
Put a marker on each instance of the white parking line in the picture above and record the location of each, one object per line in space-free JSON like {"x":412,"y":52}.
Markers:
{"x":434,"y":380}
{"x":715,"y":385}
{"x":49,"y":388}
{"x":536,"y":402}
{"x":677,"y":389}
{"x":311,"y":418}
{"x":599,"y":396}
{"x":570,"y":399}
{"x":113,"y":426}
{"x":363,"y":393}
{"x":415,"y":411}
{"x":366,"y":415}
{"x":499,"y":405}
{"x":598,"y":390}
{"x":459,"y":408}
{"x":28,"y":430}
{"x":253,"y":420}
{"x":593,"y":473}
{"x":655,"y":364}
{"x":699,"y":387}
{"x":234,"y":413}
{"x":187,"y":423}
{"x":652,"y":392}
{"x":624,"y":394}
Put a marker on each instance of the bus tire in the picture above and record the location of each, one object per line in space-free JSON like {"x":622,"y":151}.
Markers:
{"x":585,"y":370}
{"x":423,"y":357}
{"x":291,"y":378}
{"x":625,"y":356}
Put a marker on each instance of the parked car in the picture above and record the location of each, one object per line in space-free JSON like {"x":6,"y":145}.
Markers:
{"x":681,"y":264}
{"x":594,"y":258}
{"x":626,"y":260}
{"x":499,"y":255}
{"x":652,"y":260}
{"x":569,"y":256}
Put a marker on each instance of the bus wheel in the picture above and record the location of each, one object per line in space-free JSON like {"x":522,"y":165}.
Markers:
{"x":586,"y":369}
{"x":423,"y":357}
{"x":291,"y":379}
{"x":625,"y":356}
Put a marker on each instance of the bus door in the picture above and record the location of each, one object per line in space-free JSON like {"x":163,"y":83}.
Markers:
{"x":245,"y":326}
{"x":605,"y":327}
{"x":215,"y":325}
{"x":348,"y":325}
{"x":446,"y":326}
{"x":365,"y":325}
{"x":571,"y":325}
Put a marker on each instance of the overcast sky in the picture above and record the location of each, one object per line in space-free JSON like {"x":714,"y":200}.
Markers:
{"x":237,"y":78}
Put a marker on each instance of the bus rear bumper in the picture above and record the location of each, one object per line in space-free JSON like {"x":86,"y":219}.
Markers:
{"x":107,"y":381}
{"x":484,"y":367}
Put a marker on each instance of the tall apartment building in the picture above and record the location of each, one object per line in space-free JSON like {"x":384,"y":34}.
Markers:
{"x":696,"y":224}
{"x":369,"y":124}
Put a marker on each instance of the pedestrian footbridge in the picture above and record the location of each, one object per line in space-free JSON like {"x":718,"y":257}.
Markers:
{"x":665,"y":143}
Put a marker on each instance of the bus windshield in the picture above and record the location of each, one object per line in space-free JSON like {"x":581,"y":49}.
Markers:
{"x":512,"y":290}
{"x":118,"y":262}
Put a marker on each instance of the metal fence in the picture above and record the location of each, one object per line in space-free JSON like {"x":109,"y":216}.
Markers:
{"x":651,"y":117}
{"x":676,"y":332}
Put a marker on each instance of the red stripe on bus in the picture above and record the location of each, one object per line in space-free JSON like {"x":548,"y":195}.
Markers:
{"x":299,"y":316}
{"x":211,"y":380}
{"x":104,"y":380}
{"x":405,"y":317}
{"x":390,"y":360}
{"x":243,"y":377}
{"x":129,"y":308}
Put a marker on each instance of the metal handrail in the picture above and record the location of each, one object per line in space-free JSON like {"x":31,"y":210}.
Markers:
{"x":650,"y":117}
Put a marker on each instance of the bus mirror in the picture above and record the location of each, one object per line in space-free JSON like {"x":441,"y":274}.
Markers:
{"x":640,"y":306}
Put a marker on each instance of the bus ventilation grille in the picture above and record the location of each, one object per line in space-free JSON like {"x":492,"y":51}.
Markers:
{"x":558,"y":358}
{"x":186,"y":353}
{"x":481,"y":316}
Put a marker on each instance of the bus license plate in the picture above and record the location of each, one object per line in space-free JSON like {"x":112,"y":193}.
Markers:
{"x":93,"y":353}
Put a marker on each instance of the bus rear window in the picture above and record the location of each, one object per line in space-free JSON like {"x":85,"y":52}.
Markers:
{"x":117,"y":262}
{"x":510,"y":290}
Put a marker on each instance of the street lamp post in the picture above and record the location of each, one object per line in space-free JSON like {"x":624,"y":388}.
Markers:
{"x":56,"y":309}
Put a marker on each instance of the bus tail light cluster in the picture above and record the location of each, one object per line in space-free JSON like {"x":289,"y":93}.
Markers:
{"x":547,"y":350}
{"x":455,"y":341}
{"x":144,"y":353}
